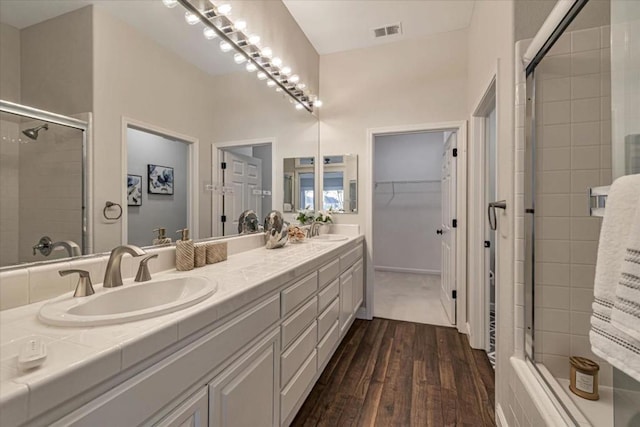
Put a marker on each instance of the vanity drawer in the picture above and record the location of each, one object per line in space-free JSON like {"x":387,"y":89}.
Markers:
{"x":298,"y":322}
{"x":292,"y":359}
{"x":298,"y":292}
{"x":326,"y":319}
{"x":350,"y":257}
{"x":328,"y":343}
{"x":327,"y":273}
{"x":328,"y":294}
{"x":294,"y":391}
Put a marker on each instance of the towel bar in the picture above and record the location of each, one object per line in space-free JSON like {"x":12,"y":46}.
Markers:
{"x":598,"y":200}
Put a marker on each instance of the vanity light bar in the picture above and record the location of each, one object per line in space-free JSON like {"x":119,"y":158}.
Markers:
{"x":258,"y":60}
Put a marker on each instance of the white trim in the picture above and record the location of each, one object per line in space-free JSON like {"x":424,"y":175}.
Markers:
{"x":478,"y":315}
{"x":406,"y":270}
{"x":193,"y":204}
{"x":216,"y":174}
{"x":461,"y":235}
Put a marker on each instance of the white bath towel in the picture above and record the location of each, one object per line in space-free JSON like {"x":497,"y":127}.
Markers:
{"x":607,"y":341}
{"x":626,"y":307}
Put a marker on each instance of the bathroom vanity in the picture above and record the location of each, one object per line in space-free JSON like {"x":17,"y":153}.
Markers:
{"x":247,"y":356}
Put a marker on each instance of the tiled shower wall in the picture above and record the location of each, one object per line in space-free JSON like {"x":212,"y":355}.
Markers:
{"x":573,"y":107}
{"x":9,"y":192}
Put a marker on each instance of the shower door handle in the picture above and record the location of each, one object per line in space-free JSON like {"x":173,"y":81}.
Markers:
{"x":491,"y":212}
{"x":438,"y":231}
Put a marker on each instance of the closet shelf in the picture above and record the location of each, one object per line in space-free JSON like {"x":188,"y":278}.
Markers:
{"x":405,"y":187}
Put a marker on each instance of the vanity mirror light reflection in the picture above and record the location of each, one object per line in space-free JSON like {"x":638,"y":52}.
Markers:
{"x":67,"y":59}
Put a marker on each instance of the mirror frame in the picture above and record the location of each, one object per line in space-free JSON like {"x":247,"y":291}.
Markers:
{"x":87,"y":211}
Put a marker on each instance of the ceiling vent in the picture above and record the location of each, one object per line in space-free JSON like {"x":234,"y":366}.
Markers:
{"x":387,"y":31}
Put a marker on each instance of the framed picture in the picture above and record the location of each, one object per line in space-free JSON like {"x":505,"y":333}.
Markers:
{"x":160,"y":180}
{"x":134,"y":190}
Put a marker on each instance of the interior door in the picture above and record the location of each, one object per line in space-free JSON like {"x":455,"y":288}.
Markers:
{"x":447,"y":230}
{"x":244,"y":175}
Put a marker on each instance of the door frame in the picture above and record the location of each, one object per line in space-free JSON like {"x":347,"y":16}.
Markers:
{"x":478,"y":326}
{"x":216,"y":175}
{"x":460,"y":127}
{"x":193,"y":145}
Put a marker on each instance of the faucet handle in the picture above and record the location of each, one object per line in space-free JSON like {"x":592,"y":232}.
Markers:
{"x":143,"y":274}
{"x":84,"y":287}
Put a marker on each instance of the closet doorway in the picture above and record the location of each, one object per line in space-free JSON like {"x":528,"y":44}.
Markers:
{"x":414,"y":226}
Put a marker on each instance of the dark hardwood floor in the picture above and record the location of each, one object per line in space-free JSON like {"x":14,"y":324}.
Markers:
{"x":393,"y":373}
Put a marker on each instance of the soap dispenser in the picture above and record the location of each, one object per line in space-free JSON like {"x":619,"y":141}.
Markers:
{"x":161,"y":238}
{"x":184,"y":251}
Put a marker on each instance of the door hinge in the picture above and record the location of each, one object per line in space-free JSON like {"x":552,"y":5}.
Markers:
{"x":455,"y":152}
{"x":223,"y":165}
{"x":487,"y":244}
{"x":223,"y":218}
{"x":454,"y":223}
{"x":454,"y":294}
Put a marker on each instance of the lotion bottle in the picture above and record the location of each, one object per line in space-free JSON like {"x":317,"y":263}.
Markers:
{"x":184,"y":252}
{"x":161,"y":239}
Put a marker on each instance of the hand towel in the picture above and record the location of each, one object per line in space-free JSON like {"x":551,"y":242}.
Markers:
{"x":607,"y":341}
{"x":626,"y":307}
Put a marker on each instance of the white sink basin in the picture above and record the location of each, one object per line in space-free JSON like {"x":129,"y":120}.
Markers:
{"x":132,"y":301}
{"x":330,"y":238}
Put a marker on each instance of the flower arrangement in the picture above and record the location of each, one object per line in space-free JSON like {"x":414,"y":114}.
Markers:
{"x":307,"y":216}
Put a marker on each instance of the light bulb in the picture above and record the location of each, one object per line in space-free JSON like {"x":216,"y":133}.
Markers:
{"x":251,"y":67}
{"x":209,"y":34}
{"x":239,"y":58}
{"x":276,"y":61}
{"x":302,"y":86}
{"x":317,"y":103}
{"x":191,"y":18}
{"x":240,"y":25}
{"x":224,"y":9}
{"x":225,"y":46}
{"x":254,"y":39}
{"x":262,"y":75}
{"x":294,"y":79}
{"x":299,"y":106}
{"x":271,"y":83}
{"x":286,"y":70}
{"x":266,"y":52}
{"x":170,"y":3}
{"x":278,"y":89}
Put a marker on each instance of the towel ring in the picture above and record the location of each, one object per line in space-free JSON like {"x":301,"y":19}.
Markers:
{"x":108,"y":205}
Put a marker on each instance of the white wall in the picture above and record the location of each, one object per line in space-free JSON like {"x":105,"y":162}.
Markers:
{"x":491,"y":48}
{"x":405,"y":222}
{"x":157,"y":210}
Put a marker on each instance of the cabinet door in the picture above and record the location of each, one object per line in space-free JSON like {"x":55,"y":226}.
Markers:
{"x":194,"y":412}
{"x":358,"y":285}
{"x":247,"y":394}
{"x":346,"y":300}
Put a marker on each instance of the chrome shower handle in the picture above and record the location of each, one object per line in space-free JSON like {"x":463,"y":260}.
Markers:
{"x":491,"y":209}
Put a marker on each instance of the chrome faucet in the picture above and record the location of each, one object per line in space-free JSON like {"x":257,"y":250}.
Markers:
{"x":315,"y":228}
{"x":113,"y":273}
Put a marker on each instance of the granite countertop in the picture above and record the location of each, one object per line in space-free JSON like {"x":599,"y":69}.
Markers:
{"x":80,"y":358}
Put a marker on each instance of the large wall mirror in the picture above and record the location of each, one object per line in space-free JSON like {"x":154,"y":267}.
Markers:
{"x":139,"y":62}
{"x":299,"y":184}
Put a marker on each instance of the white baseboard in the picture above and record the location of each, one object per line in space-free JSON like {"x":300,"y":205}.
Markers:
{"x":500,"y":418}
{"x":405,"y":270}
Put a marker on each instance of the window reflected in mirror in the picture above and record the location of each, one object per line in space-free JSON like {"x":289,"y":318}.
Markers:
{"x":299,"y":184}
{"x":340,"y":183}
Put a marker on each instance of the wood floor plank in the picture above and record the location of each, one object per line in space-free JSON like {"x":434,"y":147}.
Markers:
{"x":393,"y":373}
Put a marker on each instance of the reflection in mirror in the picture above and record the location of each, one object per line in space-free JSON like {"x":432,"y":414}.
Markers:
{"x":157,"y":185}
{"x":246,"y":175}
{"x":41,"y":189}
{"x":340,"y":183}
{"x":299,"y":184}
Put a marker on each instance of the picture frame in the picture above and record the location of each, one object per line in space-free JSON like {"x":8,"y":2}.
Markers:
{"x":160,"y":180}
{"x":134,"y":190}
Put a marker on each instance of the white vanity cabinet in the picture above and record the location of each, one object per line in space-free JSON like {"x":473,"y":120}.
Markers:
{"x":255,"y":368}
